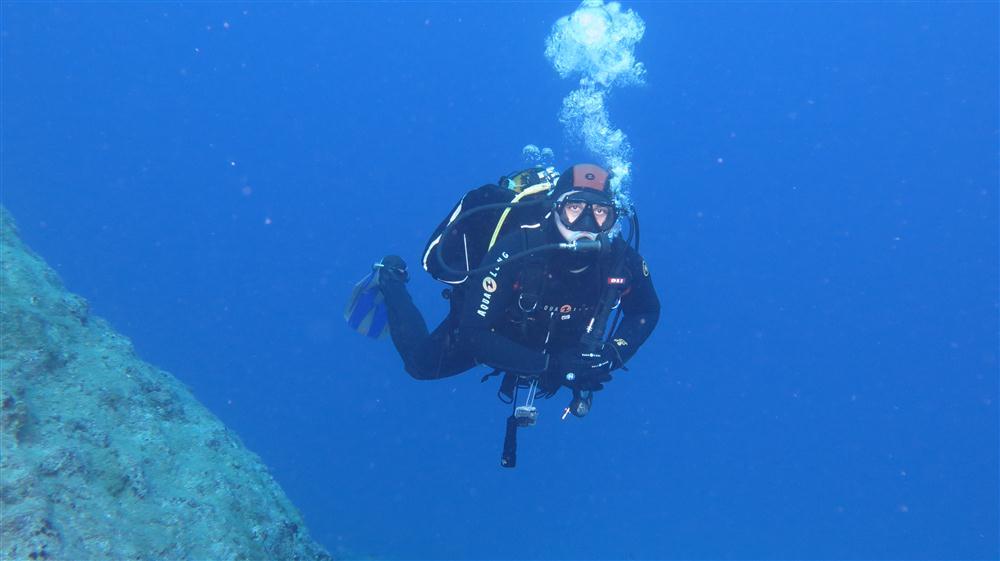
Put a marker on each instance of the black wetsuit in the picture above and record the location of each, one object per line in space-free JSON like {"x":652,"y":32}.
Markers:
{"x":513,"y":316}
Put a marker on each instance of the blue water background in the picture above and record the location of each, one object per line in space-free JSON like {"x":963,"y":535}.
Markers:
{"x":818,"y":188}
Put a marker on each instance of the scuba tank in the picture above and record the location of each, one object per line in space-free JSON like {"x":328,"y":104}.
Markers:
{"x":481,"y":217}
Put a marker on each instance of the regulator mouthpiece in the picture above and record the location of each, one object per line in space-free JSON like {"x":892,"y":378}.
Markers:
{"x":582,"y":244}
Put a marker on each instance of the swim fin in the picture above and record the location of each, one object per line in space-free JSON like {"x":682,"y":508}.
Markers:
{"x":366,"y":311}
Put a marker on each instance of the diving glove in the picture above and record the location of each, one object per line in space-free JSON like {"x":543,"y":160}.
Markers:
{"x":392,"y":267}
{"x":582,"y":369}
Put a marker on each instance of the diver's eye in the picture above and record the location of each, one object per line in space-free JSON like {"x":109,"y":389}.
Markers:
{"x":571,"y":211}
{"x":601,"y":210}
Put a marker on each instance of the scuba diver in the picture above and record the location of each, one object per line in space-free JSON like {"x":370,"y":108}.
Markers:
{"x":536,"y":267}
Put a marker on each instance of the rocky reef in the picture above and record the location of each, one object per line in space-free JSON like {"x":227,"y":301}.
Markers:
{"x":103,"y":456}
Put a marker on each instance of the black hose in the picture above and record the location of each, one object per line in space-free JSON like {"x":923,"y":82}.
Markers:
{"x":485,"y":268}
{"x":516,"y":257}
{"x":635,"y":224}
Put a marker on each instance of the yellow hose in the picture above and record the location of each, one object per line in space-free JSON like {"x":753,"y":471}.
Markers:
{"x":503,"y":217}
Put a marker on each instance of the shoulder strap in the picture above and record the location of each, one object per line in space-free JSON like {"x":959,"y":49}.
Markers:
{"x":533,"y":272}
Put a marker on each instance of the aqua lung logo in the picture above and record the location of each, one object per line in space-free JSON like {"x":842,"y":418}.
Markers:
{"x":565,"y":308}
{"x":490,"y":286}
{"x":590,"y":176}
{"x":567,"y":312}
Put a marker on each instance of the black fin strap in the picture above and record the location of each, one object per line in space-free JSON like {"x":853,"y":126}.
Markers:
{"x":508,"y":387}
{"x":495,"y":372}
{"x":508,"y":384}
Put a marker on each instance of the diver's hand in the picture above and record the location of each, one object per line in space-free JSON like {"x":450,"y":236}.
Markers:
{"x":589,"y":381}
{"x":582,"y":369}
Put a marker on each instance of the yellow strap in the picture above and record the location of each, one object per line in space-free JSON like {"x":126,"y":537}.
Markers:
{"x":503,"y":217}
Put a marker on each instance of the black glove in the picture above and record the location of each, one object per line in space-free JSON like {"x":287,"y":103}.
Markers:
{"x":590,"y":369}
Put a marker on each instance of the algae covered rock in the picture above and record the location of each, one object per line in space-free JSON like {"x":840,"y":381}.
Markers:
{"x":103,"y":456}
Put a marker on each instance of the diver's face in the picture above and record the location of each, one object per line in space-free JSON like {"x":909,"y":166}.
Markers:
{"x":572,"y":210}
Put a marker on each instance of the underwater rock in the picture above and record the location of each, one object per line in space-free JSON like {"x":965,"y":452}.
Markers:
{"x":103,"y":456}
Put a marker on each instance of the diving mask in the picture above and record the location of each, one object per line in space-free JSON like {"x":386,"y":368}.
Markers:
{"x":581,"y":212}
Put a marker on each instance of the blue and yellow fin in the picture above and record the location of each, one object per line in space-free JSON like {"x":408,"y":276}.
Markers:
{"x":366,"y":312}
